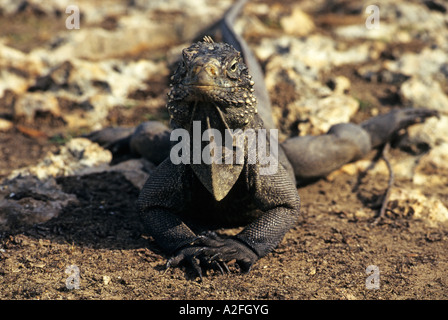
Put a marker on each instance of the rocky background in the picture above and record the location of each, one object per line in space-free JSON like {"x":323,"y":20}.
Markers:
{"x":64,"y":202}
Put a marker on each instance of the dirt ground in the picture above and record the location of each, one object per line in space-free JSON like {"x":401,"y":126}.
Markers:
{"x":324,"y":256}
{"x":100,"y":240}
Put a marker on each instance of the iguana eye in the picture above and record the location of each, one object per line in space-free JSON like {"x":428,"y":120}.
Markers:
{"x":232,"y":71}
{"x":234,"y":66}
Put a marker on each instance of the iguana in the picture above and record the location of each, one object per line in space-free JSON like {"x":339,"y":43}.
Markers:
{"x":220,"y":86}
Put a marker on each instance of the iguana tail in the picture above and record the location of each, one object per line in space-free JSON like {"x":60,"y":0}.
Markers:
{"x":230,"y":36}
{"x":317,"y":156}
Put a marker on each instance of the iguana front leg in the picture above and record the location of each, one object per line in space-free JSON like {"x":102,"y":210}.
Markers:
{"x":276,"y":198}
{"x":161,"y":203}
{"x":165,"y":196}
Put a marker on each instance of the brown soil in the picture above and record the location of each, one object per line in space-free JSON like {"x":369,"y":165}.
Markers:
{"x":324,"y":256}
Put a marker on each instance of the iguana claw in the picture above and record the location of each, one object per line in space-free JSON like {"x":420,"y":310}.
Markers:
{"x":210,"y":251}
{"x":188,"y":256}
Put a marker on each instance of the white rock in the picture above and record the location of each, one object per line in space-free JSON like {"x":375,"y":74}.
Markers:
{"x":137,"y":30}
{"x":340,"y":84}
{"x":297,"y":23}
{"x":413,"y":203}
{"x":100,"y":85}
{"x":28,"y":104}
{"x":437,"y":157}
{"x":5,"y":125}
{"x":317,"y":52}
{"x":12,"y":81}
{"x":10,"y":7}
{"x":385,"y":32}
{"x":98,"y":43}
{"x":83,"y":78}
{"x":325,"y":112}
{"x":415,"y":17}
{"x":75,"y":156}
{"x":434,"y":131}
{"x":17,"y":69}
{"x":423,"y":93}
{"x":426,"y":64}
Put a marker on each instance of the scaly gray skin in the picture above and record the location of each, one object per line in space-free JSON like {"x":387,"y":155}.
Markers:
{"x":212,"y":85}
{"x":179,"y":204}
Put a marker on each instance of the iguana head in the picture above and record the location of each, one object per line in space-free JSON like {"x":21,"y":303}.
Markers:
{"x":212,"y":86}
{"x":212,"y":80}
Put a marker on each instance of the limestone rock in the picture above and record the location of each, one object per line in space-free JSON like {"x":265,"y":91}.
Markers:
{"x":325,"y":112}
{"x":95,"y":87}
{"x":17,"y":69}
{"x":48,"y":7}
{"x":414,"y":204}
{"x":436,"y":158}
{"x":75,"y":156}
{"x":29,"y":104}
{"x":415,"y":17}
{"x":5,"y":125}
{"x":385,"y":32}
{"x":315,"y":51}
{"x":423,"y":93}
{"x":297,"y":23}
{"x":428,"y":63}
{"x":339,"y":84}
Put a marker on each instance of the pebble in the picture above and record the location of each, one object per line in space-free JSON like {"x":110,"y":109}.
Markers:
{"x":5,"y":125}
{"x":29,"y":104}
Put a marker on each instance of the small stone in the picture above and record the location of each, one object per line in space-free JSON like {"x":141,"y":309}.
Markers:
{"x":75,"y":157}
{"x":424,"y":93}
{"x":414,"y":204}
{"x":5,"y":125}
{"x":28,"y":104}
{"x":339,"y":84}
{"x":298,"y":23}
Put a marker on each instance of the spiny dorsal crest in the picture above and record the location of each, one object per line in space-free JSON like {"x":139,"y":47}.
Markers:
{"x":208,"y":39}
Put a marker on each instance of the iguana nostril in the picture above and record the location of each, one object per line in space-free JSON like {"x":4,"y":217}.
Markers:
{"x":205,"y":74}
{"x":196,"y":70}
{"x":212,"y":70}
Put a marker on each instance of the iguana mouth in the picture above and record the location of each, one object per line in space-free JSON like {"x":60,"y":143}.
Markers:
{"x":209,"y":93}
{"x":228,"y":88}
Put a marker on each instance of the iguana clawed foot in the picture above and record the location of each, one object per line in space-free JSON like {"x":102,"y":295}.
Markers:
{"x":211,"y":251}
